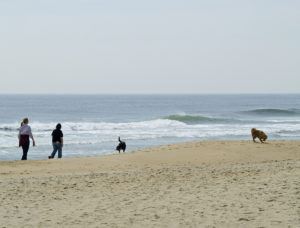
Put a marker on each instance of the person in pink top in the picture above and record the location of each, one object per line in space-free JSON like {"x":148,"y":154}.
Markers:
{"x":24,"y":135}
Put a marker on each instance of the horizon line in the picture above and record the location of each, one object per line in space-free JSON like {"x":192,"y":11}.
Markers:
{"x":284,"y":93}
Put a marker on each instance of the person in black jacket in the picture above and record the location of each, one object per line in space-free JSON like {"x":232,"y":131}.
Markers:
{"x":57,"y":141}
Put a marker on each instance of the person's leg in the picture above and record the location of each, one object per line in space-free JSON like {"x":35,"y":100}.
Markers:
{"x":25,"y":150}
{"x":24,"y":153}
{"x":54,"y":150}
{"x":59,"y":150}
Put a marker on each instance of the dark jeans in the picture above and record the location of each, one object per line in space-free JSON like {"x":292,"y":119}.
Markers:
{"x":25,"y":148}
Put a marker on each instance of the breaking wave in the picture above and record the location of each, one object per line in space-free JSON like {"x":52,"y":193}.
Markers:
{"x":4,"y":128}
{"x":188,"y":119}
{"x":273,"y":112}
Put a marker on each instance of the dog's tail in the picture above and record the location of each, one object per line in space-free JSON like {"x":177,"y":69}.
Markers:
{"x":120,"y":139}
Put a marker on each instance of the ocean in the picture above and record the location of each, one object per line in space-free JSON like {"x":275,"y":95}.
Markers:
{"x":92,"y":123}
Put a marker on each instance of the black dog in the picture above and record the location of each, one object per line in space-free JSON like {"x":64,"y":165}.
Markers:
{"x":121,"y":146}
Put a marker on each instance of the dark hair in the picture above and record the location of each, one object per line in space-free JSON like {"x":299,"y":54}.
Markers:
{"x":58,"y":126}
{"x":25,"y":120}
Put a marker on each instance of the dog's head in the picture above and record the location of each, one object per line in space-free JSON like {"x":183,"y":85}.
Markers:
{"x":264,"y":137}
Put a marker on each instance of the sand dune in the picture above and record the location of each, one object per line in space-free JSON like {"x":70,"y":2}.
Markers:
{"x":197,"y":184}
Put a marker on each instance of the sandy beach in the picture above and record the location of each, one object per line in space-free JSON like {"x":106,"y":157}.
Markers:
{"x":195,"y":184}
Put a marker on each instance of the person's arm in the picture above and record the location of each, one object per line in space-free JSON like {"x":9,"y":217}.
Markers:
{"x":31,"y":136}
{"x":62,"y":138}
{"x":19,"y":137}
{"x":33,"y":142}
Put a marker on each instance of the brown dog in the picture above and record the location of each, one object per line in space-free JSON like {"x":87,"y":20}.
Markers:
{"x":258,"y":134}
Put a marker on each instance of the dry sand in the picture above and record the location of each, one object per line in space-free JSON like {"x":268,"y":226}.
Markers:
{"x":197,"y":184}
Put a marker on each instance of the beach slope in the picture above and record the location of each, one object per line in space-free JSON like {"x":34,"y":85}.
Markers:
{"x":195,"y":184}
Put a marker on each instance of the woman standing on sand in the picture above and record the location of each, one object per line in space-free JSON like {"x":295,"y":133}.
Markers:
{"x":57,"y":141}
{"x":24,"y":134}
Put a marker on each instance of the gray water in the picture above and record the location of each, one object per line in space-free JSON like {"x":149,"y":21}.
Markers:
{"x":92,"y":123}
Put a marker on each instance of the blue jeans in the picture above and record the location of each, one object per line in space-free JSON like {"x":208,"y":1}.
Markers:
{"x":57,"y":147}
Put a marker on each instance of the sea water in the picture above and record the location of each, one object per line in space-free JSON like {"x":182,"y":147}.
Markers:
{"x":92,"y":123}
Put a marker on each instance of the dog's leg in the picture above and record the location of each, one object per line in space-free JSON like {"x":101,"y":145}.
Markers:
{"x":261,"y":140}
{"x":254,"y":139}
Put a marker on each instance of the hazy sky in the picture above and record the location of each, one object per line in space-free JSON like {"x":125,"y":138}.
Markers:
{"x":157,"y":46}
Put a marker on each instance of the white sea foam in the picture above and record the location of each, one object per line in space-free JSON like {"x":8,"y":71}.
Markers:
{"x":284,"y":121}
{"x":84,"y":133}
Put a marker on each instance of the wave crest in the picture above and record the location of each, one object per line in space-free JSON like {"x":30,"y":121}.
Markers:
{"x":272,"y":112}
{"x":4,"y":128}
{"x":188,"y":119}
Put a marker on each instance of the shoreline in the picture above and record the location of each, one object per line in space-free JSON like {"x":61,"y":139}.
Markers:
{"x":129,"y":151}
{"x":183,"y":154}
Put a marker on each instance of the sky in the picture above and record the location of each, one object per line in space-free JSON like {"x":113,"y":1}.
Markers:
{"x":149,"y":47}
